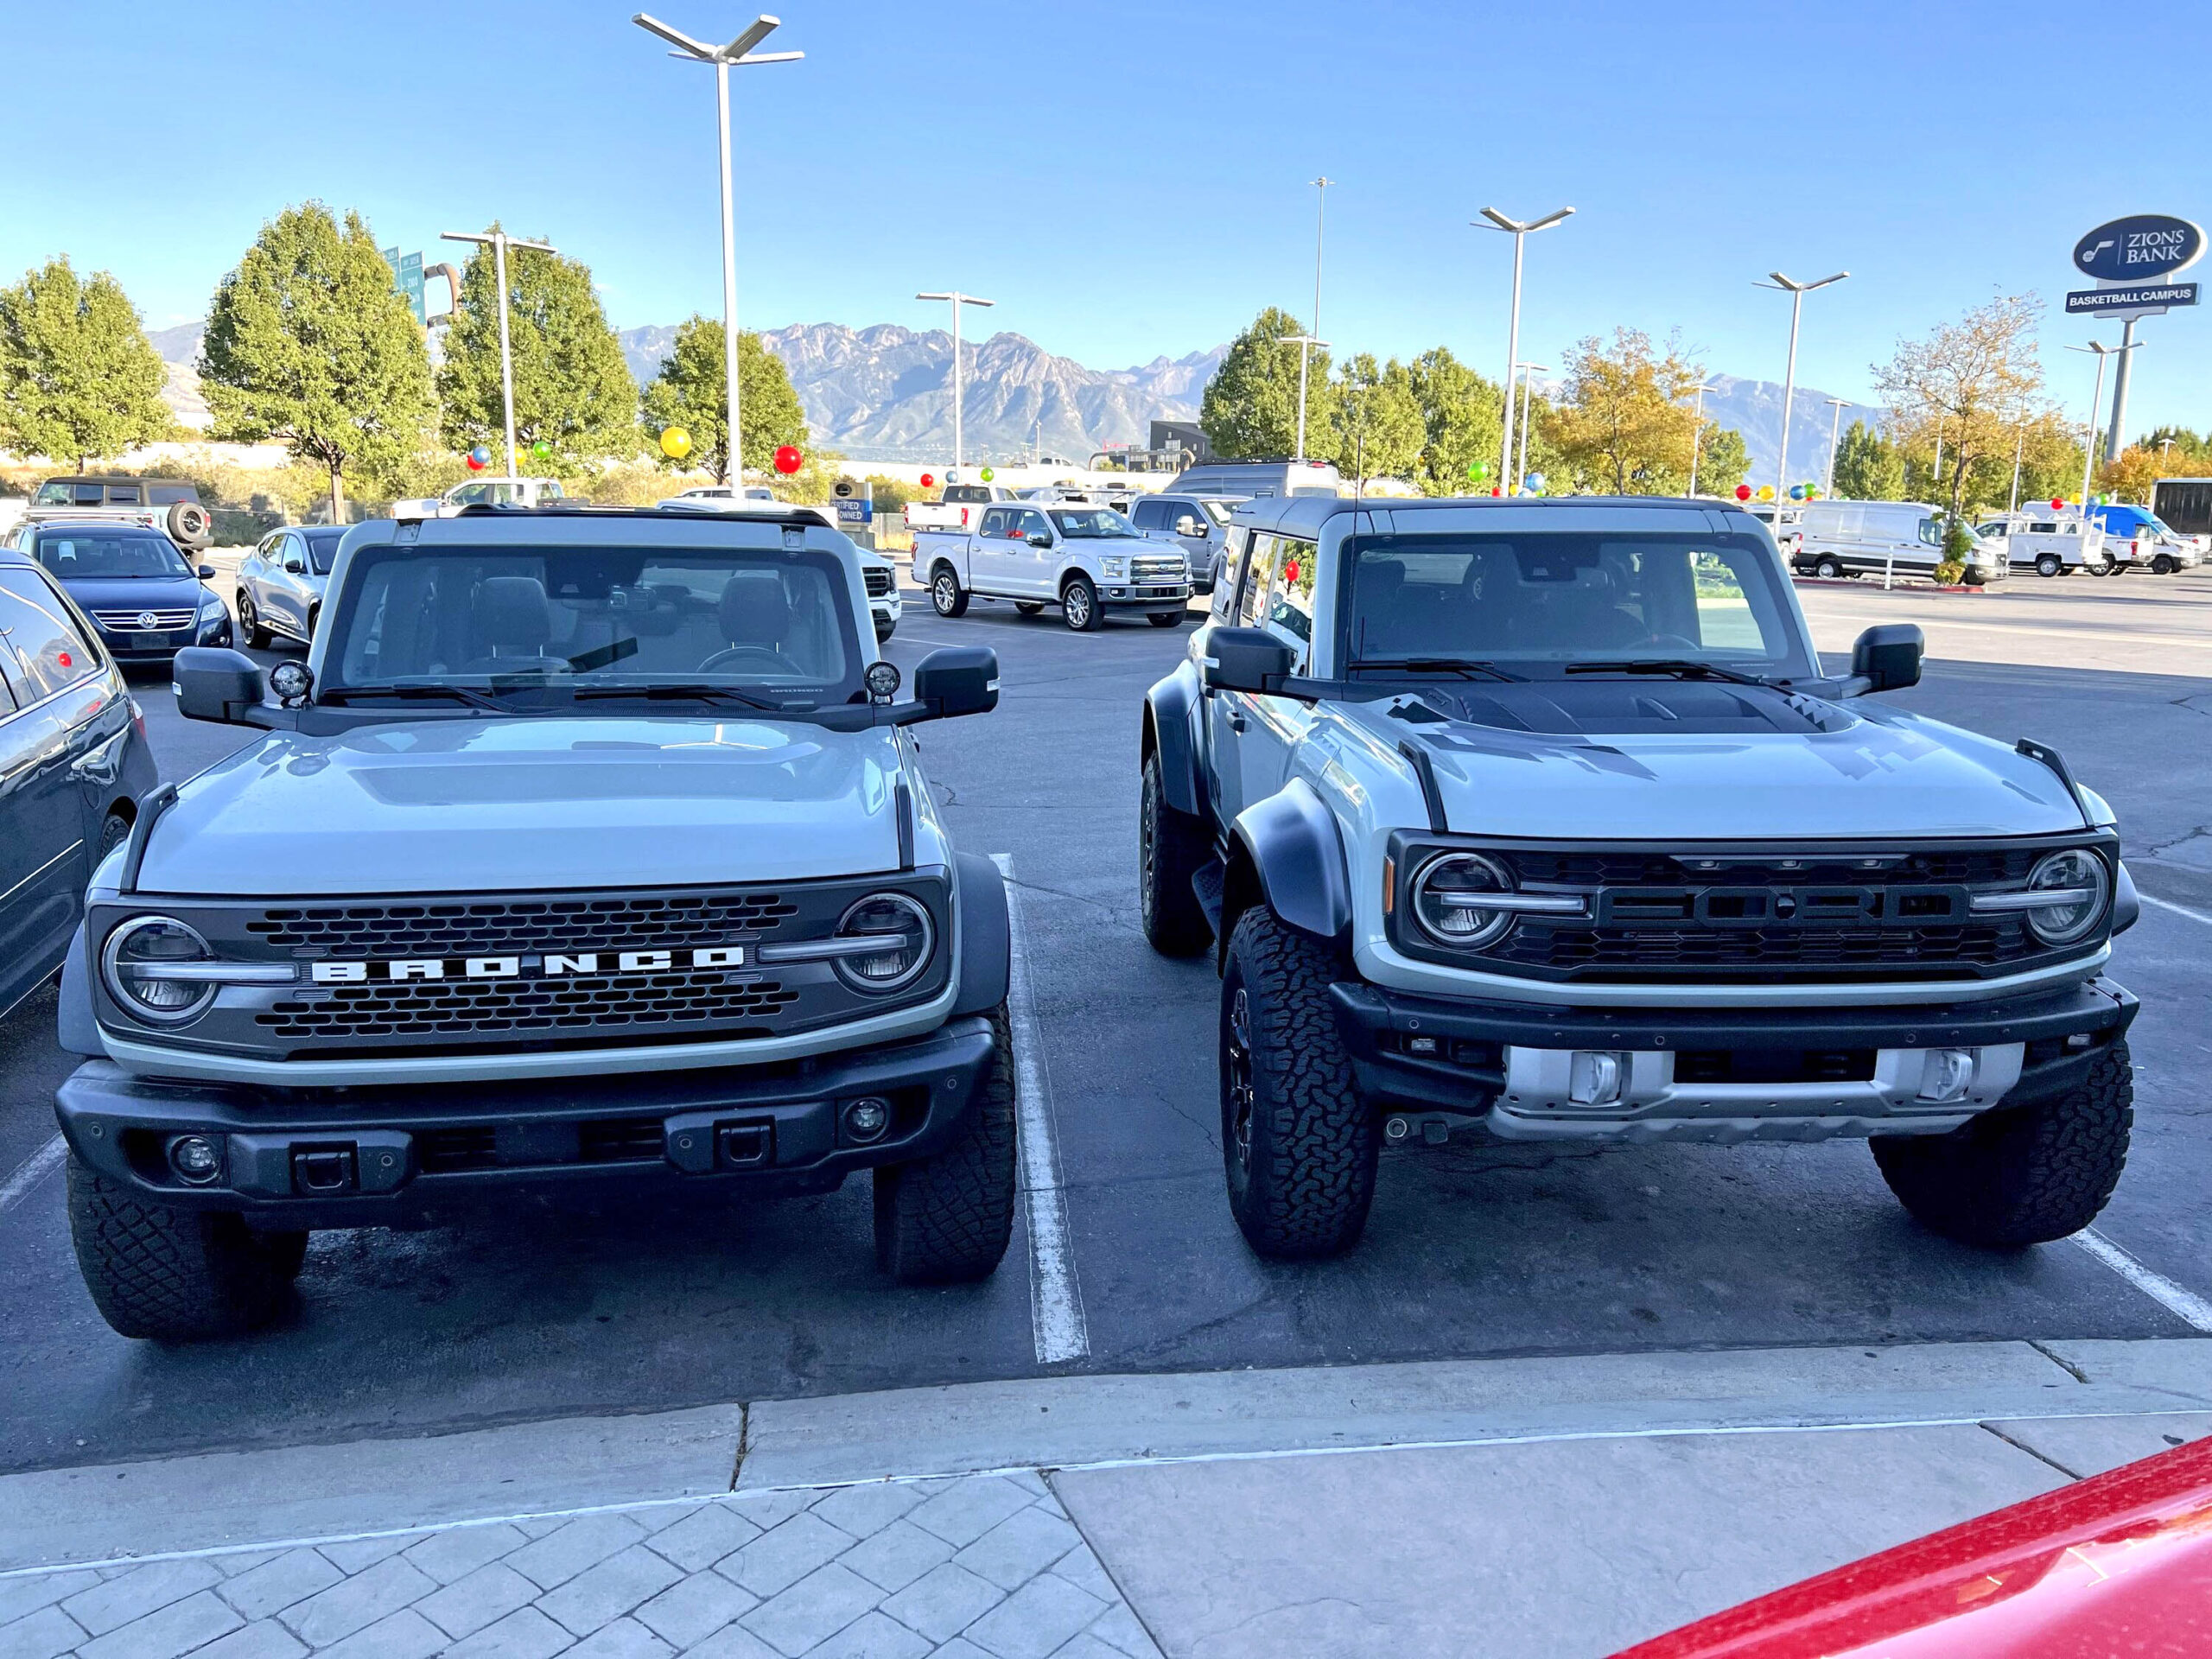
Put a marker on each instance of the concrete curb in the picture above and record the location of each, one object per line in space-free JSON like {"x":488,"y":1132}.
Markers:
{"x":235,"y":1500}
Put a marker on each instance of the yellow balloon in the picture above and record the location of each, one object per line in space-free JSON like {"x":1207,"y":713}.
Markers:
{"x":1766,"y":491}
{"x":675,"y":442}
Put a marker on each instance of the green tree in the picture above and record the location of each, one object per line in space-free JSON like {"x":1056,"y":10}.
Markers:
{"x":1462,"y":420}
{"x":1722,"y":461}
{"x":1250,"y":409}
{"x":572,"y":388}
{"x":692,"y":392}
{"x":308,"y":342}
{"x":1376,"y":429}
{"x":79,"y":378}
{"x":1621,"y":426}
{"x":1868,"y":466}
{"x":1966,"y":386}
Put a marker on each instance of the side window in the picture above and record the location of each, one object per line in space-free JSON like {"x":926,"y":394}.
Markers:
{"x":471,"y":494}
{"x":1232,"y":561}
{"x":1150,"y":513}
{"x":54,"y":494}
{"x":46,"y":642}
{"x":1259,"y":576}
{"x":1027,"y":521}
{"x":123,"y":495}
{"x":1290,"y":593}
{"x":1932,"y":531}
{"x":996,"y":521}
{"x":84,"y":495}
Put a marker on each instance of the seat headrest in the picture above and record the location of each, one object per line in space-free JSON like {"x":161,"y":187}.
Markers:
{"x":511,"y":616}
{"x":754,"y":611}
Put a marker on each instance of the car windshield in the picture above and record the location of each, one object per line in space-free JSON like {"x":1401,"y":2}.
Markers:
{"x":322,"y":548}
{"x":1544,"y":602}
{"x":109,"y":554}
{"x":555,"y":622}
{"x":1079,"y":522}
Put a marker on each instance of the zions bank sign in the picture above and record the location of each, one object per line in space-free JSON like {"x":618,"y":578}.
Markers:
{"x":2140,"y":249}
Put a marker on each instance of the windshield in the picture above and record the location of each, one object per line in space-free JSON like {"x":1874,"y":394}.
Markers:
{"x":1541,"y":602}
{"x":1078,"y":523}
{"x":1219,"y":511}
{"x":109,"y":554}
{"x":567,"y":620}
{"x":322,"y":548}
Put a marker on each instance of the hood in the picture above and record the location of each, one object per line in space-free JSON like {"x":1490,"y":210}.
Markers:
{"x":1713,"y":765}
{"x":531,"y":804}
{"x":136,"y":593}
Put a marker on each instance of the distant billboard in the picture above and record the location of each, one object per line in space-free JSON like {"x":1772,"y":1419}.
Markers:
{"x":406,"y":279}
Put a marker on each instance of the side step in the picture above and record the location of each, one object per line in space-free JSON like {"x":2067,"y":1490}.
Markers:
{"x":1207,"y":882}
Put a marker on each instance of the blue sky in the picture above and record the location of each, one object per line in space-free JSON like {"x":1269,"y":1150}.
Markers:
{"x":1129,"y":179}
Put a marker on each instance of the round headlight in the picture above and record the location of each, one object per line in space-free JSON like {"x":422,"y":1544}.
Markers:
{"x":133,"y":964}
{"x":2075,"y":870}
{"x":902,"y":926}
{"x":1447,"y":900}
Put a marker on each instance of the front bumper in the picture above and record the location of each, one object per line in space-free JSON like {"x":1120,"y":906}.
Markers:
{"x":373,"y":1156}
{"x":1726,"y":1074}
{"x":1148,"y":597}
{"x":129,"y":647}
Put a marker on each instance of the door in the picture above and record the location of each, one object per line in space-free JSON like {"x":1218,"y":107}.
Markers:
{"x":42,"y":862}
{"x":1275,"y":726}
{"x":993,"y":553}
{"x":288,"y":582}
{"x":1036,"y":570}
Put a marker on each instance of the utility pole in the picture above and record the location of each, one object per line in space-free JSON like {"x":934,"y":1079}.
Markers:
{"x":958,"y":300}
{"x":1798,"y":292}
{"x":1528,"y":372}
{"x":1519,"y":231}
{"x":2113,"y":439}
{"x":1835,"y":422}
{"x":1321,"y":200}
{"x":2096,"y":404}
{"x":1697,"y":429}
{"x":1304,"y":344}
{"x":498,"y":241}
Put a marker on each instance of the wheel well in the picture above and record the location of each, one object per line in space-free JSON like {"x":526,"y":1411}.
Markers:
{"x":1240,"y":891}
{"x":1147,"y":739}
{"x":1073,"y":577}
{"x":944,"y":567}
{"x":124,"y":808}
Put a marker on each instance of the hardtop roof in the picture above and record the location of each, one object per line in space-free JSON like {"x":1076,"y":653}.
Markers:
{"x":1307,"y":515}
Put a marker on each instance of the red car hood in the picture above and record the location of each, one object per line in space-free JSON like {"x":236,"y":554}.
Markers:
{"x":2119,"y":1564}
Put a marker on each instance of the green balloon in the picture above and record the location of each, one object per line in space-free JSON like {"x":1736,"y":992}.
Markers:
{"x":542,"y":449}
{"x":987,"y":475}
{"x":1475,"y":469}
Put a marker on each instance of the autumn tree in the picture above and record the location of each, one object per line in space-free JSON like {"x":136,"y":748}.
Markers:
{"x":1621,"y":426}
{"x":2129,"y":475}
{"x":1375,"y":428}
{"x":1250,"y":409}
{"x":1460,"y":414}
{"x":572,"y":389}
{"x":79,"y":378}
{"x":308,"y":342}
{"x":1970,"y":384}
{"x":692,"y":391}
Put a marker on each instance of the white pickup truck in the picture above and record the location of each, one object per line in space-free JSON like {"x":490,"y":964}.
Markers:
{"x":962,"y":504}
{"x":482,"y":493}
{"x":1087,"y":560}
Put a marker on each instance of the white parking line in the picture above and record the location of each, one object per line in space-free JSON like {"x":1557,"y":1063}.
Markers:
{"x":2184,"y":1304}
{"x":2178,"y":910}
{"x":1055,"y":1298}
{"x":29,"y":1174}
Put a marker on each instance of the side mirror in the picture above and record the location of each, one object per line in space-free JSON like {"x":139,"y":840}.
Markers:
{"x":1040,"y":538}
{"x":293,"y":567}
{"x":218,"y":685}
{"x":206,"y":573}
{"x":1187,"y":526}
{"x":1247,"y":659}
{"x":1888,"y":656}
{"x":955,"y":680}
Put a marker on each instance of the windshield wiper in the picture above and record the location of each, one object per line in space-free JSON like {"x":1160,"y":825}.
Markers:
{"x":448,"y":693}
{"x":1682,"y":668}
{"x":696,"y":693}
{"x":1466,"y":667}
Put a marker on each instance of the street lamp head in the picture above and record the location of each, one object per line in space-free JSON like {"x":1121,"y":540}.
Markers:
{"x":1785,"y":284}
{"x":1499,"y":222}
{"x":738,"y":51}
{"x":675,"y":37}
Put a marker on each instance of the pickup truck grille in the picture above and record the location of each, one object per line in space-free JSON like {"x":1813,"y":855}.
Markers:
{"x":879,"y":581}
{"x":1691,"y":950}
{"x":133,"y":622}
{"x":1150,"y":569}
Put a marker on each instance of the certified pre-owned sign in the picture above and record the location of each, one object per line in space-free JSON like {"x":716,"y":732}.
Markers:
{"x":2139,"y":249}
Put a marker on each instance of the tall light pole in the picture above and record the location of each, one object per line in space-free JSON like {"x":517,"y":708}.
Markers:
{"x":2096,"y":403}
{"x":1304,"y":344}
{"x":958,"y":300}
{"x":1798,"y":292}
{"x":1529,"y":371}
{"x":739,"y":53}
{"x":1697,"y":429}
{"x":1519,"y":231}
{"x":1836,"y":406}
{"x":1320,"y":201}
{"x":498,"y":241}
{"x":2019,"y":453}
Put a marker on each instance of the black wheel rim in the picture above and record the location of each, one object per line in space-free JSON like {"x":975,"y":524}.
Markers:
{"x":1236,"y":1076}
{"x":1148,"y":827}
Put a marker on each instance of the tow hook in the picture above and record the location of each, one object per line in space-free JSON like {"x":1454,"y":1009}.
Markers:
{"x":1430,"y":1128}
{"x":322,"y":1171}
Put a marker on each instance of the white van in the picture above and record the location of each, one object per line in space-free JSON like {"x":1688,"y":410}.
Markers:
{"x":1787,"y":522}
{"x":2052,"y":542}
{"x":1852,"y":539}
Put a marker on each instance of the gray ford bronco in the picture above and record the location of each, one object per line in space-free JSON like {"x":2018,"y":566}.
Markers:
{"x":1543,"y":817}
{"x":590,"y":850}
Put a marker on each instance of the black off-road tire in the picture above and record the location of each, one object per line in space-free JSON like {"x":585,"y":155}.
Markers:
{"x":250,"y":623}
{"x":2024,"y":1176}
{"x":1171,"y":847}
{"x":947,"y":596}
{"x":1079,"y":605}
{"x":1299,"y":1153}
{"x":1030,"y":606}
{"x":175,"y":1275}
{"x":946,"y":1219}
{"x":1163,"y":618}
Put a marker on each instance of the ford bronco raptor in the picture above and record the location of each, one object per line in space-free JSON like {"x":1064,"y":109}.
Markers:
{"x":589,"y":850}
{"x":1543,"y":817}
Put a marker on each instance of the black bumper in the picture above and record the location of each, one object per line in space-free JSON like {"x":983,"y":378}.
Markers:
{"x":1423,"y":1053}
{"x":358,"y":1157}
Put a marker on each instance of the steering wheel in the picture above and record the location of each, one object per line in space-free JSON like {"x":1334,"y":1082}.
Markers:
{"x":733,"y":653}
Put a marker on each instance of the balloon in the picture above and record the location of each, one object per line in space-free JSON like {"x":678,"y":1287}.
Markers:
{"x":542,"y":449}
{"x":1796,"y":492}
{"x":480,"y":456}
{"x":952,"y":476}
{"x":929,"y":481}
{"x":1495,"y":490}
{"x":675,"y":442}
{"x":1535,"y":483}
{"x":1766,"y":491}
{"x":474,"y":465}
{"x":987,"y":475}
{"x":1477,"y":470}
{"x":2057,"y":503}
{"x":1743,"y":491}
{"x":788,"y":458}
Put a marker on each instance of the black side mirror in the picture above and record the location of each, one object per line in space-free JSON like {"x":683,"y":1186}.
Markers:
{"x":1248,"y":660}
{"x":206,"y":573}
{"x":292,"y":567}
{"x":1040,"y":538}
{"x":955,"y":680}
{"x":218,"y":685}
{"x":1888,"y":656}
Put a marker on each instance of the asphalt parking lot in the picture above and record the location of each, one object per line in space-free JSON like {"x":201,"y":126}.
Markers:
{"x":1473,"y":1250}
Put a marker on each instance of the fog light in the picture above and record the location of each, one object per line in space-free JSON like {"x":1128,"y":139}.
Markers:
{"x":867,"y":1120}
{"x":1947,"y":1074}
{"x":1595,"y":1078}
{"x":195,"y":1159}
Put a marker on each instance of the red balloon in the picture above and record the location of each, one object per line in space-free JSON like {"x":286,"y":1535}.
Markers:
{"x":1743,"y":491}
{"x":2057,"y":504}
{"x":1496,"y":490}
{"x":929,"y":480}
{"x":788,"y":458}
{"x":474,"y":465}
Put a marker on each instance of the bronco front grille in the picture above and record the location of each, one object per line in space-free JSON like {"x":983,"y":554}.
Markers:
{"x":458,"y":929}
{"x":434,"y":1009}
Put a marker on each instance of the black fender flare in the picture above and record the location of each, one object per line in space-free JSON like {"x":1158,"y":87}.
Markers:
{"x":1171,"y":728}
{"x":1286,"y":853}
{"x":986,"y":935}
{"x":79,"y":1032}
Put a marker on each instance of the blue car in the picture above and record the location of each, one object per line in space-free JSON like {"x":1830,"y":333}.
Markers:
{"x":145,"y":600}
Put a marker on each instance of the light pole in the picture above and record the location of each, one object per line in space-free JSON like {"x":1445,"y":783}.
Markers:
{"x":1837,"y":405}
{"x":958,"y":300}
{"x":1798,"y":292}
{"x":2096,"y":403}
{"x":1529,"y":371}
{"x":1304,"y":344}
{"x":1519,"y":231}
{"x":2127,"y":343}
{"x":738,"y":53}
{"x":1320,"y":202}
{"x":498,"y":241}
{"x":1697,"y":429}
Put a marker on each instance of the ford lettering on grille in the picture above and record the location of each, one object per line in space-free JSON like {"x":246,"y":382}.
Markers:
{"x":549,"y":965}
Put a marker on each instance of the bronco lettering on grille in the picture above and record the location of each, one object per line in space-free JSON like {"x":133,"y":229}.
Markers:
{"x":551,"y":965}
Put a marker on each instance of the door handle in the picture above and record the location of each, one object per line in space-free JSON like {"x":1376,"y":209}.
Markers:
{"x":1236,"y":721}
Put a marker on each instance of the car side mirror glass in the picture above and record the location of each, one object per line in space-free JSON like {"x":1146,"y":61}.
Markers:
{"x":206,"y":573}
{"x":292,"y":567}
{"x":216,"y":684}
{"x":1248,"y":660}
{"x":957,"y":680}
{"x":1888,"y":656}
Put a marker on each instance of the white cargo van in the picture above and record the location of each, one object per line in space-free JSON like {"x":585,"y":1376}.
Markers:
{"x":2052,"y":542}
{"x":1852,"y":539}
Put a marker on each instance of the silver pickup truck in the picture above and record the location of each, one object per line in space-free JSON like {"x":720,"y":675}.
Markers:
{"x":589,"y":851}
{"x":1088,"y":560}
